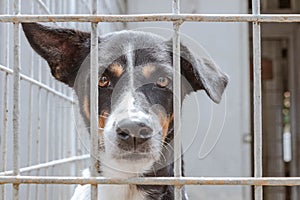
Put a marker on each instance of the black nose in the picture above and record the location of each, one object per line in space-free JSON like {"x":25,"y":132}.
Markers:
{"x":133,"y":131}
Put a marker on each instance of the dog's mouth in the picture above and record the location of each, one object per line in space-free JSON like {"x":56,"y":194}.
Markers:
{"x":134,"y":156}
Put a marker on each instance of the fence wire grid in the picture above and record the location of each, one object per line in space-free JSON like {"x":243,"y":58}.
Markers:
{"x":23,"y":170}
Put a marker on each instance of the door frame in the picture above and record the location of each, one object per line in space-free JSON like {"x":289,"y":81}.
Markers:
{"x":289,"y":31}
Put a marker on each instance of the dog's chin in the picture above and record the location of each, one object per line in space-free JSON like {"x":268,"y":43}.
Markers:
{"x":133,"y":157}
{"x":140,"y":155}
{"x":129,"y":163}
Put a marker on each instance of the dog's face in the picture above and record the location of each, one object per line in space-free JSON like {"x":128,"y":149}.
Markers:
{"x":136,"y":84}
{"x":135,"y":88}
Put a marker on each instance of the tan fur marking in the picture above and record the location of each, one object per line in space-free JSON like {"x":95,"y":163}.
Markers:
{"x":102,"y":120}
{"x":148,"y":70}
{"x":165,"y":123}
{"x":116,"y":69}
{"x":86,"y":107}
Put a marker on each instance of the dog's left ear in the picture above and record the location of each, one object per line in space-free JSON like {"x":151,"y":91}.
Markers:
{"x":202,"y":73}
{"x":63,"y":49}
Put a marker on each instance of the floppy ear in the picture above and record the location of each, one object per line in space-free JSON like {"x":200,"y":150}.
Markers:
{"x":63,"y":49}
{"x":202,"y":73}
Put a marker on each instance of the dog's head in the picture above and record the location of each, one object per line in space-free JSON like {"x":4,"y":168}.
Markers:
{"x":135,"y":87}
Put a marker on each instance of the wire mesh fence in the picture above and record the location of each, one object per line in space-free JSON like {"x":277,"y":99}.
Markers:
{"x":45,"y":142}
{"x":45,"y":148}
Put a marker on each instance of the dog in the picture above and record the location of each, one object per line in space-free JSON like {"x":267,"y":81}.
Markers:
{"x":135,"y":100}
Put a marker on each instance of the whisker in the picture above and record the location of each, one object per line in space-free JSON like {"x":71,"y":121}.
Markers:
{"x":154,"y":172}
{"x":162,"y":155}
{"x":152,"y":151}
{"x":171,"y":130}
{"x":166,"y":145}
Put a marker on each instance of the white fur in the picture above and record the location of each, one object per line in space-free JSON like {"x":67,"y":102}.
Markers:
{"x":129,"y":58}
{"x":109,"y":192}
{"x":114,"y":168}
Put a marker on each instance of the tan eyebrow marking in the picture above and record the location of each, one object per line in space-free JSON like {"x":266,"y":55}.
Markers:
{"x":102,"y":120}
{"x":165,"y":123}
{"x":116,"y":69}
{"x":148,"y":70}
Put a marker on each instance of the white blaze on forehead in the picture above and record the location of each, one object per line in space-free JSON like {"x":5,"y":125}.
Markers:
{"x":127,"y":108}
{"x":124,"y":110}
{"x":130,"y":62}
{"x":128,"y":100}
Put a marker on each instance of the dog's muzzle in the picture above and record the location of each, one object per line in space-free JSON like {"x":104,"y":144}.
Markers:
{"x":133,"y":132}
{"x":129,"y":135}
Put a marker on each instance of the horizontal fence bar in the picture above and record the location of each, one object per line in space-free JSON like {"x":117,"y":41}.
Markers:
{"x":269,"y":181}
{"x":153,"y":17}
{"x":6,"y":69}
{"x":48,"y":164}
{"x":38,"y":84}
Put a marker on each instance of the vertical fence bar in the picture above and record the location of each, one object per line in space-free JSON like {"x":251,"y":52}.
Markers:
{"x":30,"y":113}
{"x":52,"y":153}
{"x":29,"y":135}
{"x":16,"y":103}
{"x":38,"y":128}
{"x":38,"y":139}
{"x":177,"y":100}
{"x":47,"y":138}
{"x":56,"y":8}
{"x":4,"y":130}
{"x":64,"y":143}
{"x":257,"y":100}
{"x":94,"y":101}
{"x":5,"y":101}
{"x":55,"y":140}
{"x":59,"y":143}
{"x":66,"y":147}
{"x":47,"y":114}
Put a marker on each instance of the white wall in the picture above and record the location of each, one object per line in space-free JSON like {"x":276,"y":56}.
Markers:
{"x":206,"y":124}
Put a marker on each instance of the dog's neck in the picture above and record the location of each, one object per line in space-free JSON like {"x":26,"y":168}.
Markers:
{"x":162,"y":168}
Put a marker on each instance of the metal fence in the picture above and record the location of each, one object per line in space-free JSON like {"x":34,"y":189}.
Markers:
{"x":50,"y":92}
{"x":45,"y":142}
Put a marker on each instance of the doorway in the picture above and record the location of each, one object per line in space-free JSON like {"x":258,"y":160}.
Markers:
{"x":275,"y":113}
{"x":278,"y":110}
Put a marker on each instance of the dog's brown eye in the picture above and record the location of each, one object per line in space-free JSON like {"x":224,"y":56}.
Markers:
{"x":103,"y":81}
{"x":162,"y":82}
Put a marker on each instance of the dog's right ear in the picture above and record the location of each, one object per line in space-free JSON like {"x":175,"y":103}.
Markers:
{"x":201,"y":73}
{"x":63,"y":49}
